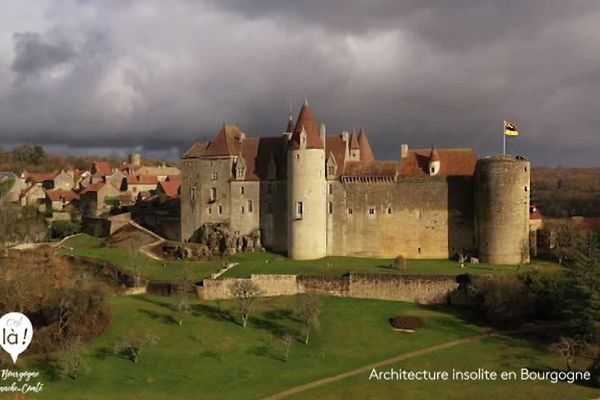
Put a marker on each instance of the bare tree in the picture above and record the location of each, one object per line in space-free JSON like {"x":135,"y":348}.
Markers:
{"x":246,"y":294}
{"x":308,"y":310}
{"x":565,"y":238}
{"x":133,"y":345}
{"x":183,"y":291}
{"x":134,"y":261}
{"x":568,"y":348}
{"x":71,"y":362}
{"x":286,"y":343}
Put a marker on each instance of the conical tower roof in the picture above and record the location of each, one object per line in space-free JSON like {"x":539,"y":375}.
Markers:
{"x":306,"y":122}
{"x":366,"y":154}
{"x":354,"y":142}
{"x":434,"y":155}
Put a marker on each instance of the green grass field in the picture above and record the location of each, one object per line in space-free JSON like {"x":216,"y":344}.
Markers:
{"x":212,"y":357}
{"x":270,"y":263}
{"x":168,"y":270}
{"x":494,"y":353}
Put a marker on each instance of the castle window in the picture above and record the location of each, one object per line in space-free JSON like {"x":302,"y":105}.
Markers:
{"x":371,"y":211}
{"x":330,"y":170}
{"x":525,"y":188}
{"x":213,"y":194}
{"x":210,"y":210}
{"x":215,"y":175}
{"x":389,"y":210}
{"x":350,"y":211}
{"x":297,"y":156}
{"x":242,"y":209}
{"x":193,"y":193}
{"x":525,"y":169}
{"x":419,"y":249}
{"x":241,"y":190}
{"x":269,"y":188}
{"x":330,"y":207}
{"x":299,"y":210}
{"x":250,"y":206}
{"x":269,"y":207}
{"x":330,"y":188}
{"x":220,"y":209}
{"x":420,"y":214}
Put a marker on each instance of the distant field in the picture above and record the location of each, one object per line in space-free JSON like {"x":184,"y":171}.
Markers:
{"x":270,"y":263}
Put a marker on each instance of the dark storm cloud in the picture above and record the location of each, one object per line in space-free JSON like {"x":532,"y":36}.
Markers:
{"x":32,"y":54}
{"x":113,"y":76}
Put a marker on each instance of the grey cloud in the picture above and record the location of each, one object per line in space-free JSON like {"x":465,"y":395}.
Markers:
{"x":32,"y":53}
{"x":142,"y":75}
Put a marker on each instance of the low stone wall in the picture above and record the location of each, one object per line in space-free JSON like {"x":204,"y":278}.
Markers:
{"x":418,"y":289}
{"x":421,"y":289}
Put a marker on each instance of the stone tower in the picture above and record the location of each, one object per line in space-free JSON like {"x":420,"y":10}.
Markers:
{"x":502,"y":188}
{"x":307,"y":219}
{"x":135,"y":159}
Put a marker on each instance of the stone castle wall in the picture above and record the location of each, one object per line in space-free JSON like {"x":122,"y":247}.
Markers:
{"x":429,"y":217}
{"x":419,"y":289}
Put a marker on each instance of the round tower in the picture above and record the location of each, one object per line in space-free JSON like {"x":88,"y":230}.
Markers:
{"x":502,"y":188}
{"x":307,"y":219}
{"x":135,"y":159}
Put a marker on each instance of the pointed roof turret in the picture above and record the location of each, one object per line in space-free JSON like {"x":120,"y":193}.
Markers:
{"x":290,"y":125}
{"x":434,"y":155}
{"x":354,"y":142}
{"x":306,"y":122}
{"x":366,"y":154}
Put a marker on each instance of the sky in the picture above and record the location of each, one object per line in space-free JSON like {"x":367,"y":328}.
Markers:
{"x":115,"y":76}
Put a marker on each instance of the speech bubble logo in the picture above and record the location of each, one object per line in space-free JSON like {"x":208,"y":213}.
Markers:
{"x":16,"y":332}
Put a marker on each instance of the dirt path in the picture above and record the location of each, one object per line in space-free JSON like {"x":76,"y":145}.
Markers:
{"x":367,"y":368}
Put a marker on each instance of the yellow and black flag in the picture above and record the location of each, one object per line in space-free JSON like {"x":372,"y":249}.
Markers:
{"x":510,"y":129}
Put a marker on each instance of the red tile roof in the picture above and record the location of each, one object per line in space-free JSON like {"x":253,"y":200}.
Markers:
{"x":142,"y":180}
{"x":61,"y":195}
{"x":534,"y":213}
{"x":366,"y":154}
{"x":336,"y":146}
{"x":306,"y":122}
{"x":173,"y":178}
{"x":370,"y":169}
{"x":40,"y":177}
{"x":197,"y":150}
{"x":225,"y":143}
{"x":101,"y":168}
{"x":452,"y":162}
{"x":170,"y":188}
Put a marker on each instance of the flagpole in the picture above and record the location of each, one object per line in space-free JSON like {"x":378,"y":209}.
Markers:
{"x":504,"y":137}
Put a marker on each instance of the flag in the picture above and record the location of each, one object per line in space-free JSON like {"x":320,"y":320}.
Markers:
{"x":510,"y":129}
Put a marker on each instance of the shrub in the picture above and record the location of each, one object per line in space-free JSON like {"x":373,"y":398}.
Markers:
{"x":62,"y":229}
{"x":595,"y":371}
{"x":549,"y":291}
{"x":504,"y":299}
{"x":412,"y":322}
{"x":399,"y":262}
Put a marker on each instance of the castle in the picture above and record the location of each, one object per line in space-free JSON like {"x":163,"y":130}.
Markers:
{"x":311,"y":195}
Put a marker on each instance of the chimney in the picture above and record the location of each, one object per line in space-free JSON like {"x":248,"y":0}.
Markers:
{"x":322,"y":133}
{"x":403,"y":150}
{"x":346,"y":140}
{"x":241,"y":137}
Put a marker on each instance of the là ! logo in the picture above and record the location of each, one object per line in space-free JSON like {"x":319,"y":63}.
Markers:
{"x":16,"y":332}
